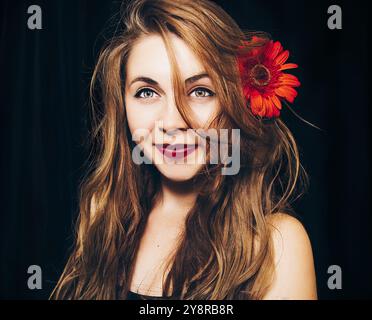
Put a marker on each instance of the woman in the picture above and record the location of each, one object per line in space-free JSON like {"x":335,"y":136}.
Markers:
{"x":160,"y":215}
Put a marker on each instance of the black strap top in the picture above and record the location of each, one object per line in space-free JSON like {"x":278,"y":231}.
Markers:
{"x":137,"y":296}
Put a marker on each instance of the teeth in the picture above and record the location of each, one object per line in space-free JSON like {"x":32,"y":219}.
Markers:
{"x":176,"y":146}
{"x":176,"y":150}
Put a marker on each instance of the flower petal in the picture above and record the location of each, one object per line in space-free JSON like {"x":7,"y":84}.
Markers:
{"x":282,"y":57}
{"x":265,"y":107}
{"x":289,"y":80}
{"x":286,"y":92}
{"x":257,"y":40}
{"x":275,"y":49}
{"x":273,"y":111}
{"x":276,"y":102}
{"x":270,"y":108}
{"x":246,"y":91}
{"x":276,"y":112}
{"x":256,"y":103}
{"x":288,"y":66}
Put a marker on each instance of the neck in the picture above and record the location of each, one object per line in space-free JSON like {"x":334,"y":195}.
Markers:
{"x":176,"y":199}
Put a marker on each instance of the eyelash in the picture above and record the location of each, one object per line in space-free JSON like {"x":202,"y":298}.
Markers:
{"x":141,"y":91}
{"x":208,"y":91}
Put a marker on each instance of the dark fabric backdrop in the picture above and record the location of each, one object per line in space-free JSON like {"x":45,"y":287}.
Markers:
{"x":43,"y":101}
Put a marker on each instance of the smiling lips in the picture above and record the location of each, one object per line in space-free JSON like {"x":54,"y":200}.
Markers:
{"x":176,"y":151}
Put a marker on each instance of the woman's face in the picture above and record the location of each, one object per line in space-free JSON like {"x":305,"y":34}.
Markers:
{"x":153,"y":118}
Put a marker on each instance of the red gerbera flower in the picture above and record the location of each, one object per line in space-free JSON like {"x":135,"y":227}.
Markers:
{"x":264,"y":83}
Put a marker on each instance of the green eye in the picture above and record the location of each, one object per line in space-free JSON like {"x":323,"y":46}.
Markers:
{"x":145,"y":93}
{"x":202,"y":93}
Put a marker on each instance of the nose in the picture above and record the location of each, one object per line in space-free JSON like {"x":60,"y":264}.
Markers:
{"x":171,"y":119}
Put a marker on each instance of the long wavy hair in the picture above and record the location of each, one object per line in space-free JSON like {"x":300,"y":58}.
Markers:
{"x":225,"y":251}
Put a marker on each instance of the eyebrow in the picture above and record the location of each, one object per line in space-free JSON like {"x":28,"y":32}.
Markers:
{"x":154,"y":83}
{"x":196,"y":78}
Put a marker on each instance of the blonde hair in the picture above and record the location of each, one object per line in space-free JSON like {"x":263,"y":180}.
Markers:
{"x":226,"y":250}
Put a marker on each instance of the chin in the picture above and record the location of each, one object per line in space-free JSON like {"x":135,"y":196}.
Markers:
{"x":178,"y":172}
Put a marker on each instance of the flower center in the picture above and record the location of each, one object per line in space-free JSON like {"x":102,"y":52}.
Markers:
{"x":260,"y":75}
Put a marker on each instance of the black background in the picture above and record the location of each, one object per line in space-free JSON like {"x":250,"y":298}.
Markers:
{"x":43,"y":101}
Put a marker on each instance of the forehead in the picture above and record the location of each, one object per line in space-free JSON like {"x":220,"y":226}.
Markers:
{"x":149,"y":57}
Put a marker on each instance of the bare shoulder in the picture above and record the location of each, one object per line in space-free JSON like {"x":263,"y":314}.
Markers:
{"x":285,"y":227}
{"x":294,"y":264}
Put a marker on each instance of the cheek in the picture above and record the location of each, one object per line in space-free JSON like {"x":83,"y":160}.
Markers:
{"x":139,"y":117}
{"x":205,"y":112}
